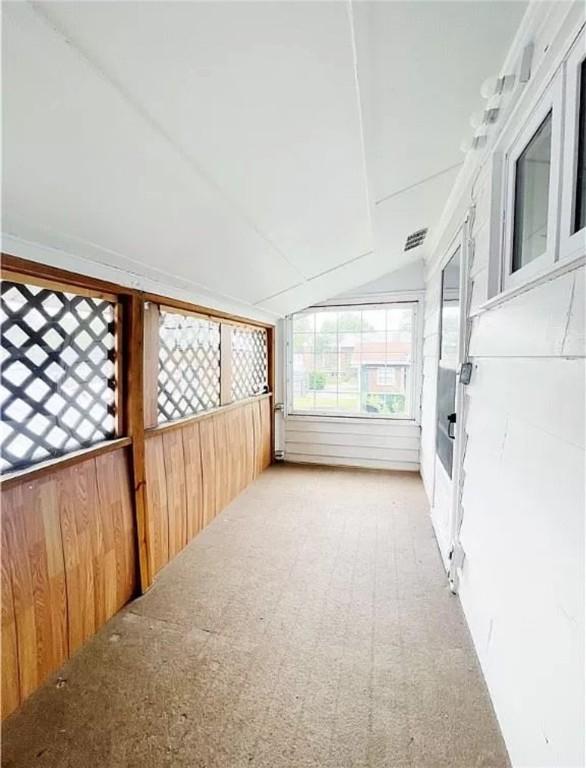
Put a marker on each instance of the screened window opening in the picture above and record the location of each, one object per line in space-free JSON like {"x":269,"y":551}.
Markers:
{"x":58,"y":373}
{"x":249,"y":362}
{"x":580,"y":208}
{"x":353,"y":361}
{"x":532,"y":176}
{"x":189,"y":365}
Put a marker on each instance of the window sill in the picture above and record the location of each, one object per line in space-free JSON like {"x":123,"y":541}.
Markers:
{"x":166,"y":426}
{"x":28,"y":474}
{"x":547,"y":274}
{"x":358,"y":418}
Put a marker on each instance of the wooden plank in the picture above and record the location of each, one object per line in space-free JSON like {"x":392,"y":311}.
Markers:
{"x":78,"y":504}
{"x":156,"y":494}
{"x":208,"y":465}
{"x":106,"y":511}
{"x":257,"y":438}
{"x":151,"y":364}
{"x":51,"y":466}
{"x":225,"y":363}
{"x":115,"y":500}
{"x":16,"y":552}
{"x":174,"y":465}
{"x":97,"y":546}
{"x":31,"y":516}
{"x":9,"y":672}
{"x":247,"y":446}
{"x":169,"y":426}
{"x":193,"y":479}
{"x":212,"y":314}
{"x":221,"y":470}
{"x":124,"y":527}
{"x":53,"y":276}
{"x":266,"y":432}
{"x":135,"y":421}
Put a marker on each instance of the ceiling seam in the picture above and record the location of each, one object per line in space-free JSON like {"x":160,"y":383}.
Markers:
{"x":315,"y":277}
{"x":57,"y":27}
{"x":369,"y":206}
{"x":419,"y":183}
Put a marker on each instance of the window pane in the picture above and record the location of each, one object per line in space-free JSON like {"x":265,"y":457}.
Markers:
{"x":580,"y":213}
{"x":531,"y":197}
{"x":326,"y":401}
{"x":326,"y":322}
{"x":447,"y":364}
{"x":356,"y":363}
{"x":374,"y":320}
{"x":303,"y":343}
{"x":349,"y":321}
{"x":304,"y":323}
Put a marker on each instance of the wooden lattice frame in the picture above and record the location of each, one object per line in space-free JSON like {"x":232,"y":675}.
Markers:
{"x":58,"y":372}
{"x":189,"y":365}
{"x":250,"y":372}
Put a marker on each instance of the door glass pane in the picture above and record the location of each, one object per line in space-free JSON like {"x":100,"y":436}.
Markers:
{"x":446,"y":383}
{"x":580,"y":213}
{"x":531,"y":197}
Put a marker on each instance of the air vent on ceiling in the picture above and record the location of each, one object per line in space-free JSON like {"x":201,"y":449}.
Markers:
{"x":415,"y":239}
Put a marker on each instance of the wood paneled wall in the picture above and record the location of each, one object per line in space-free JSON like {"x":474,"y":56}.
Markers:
{"x":82,"y":534}
{"x":195,"y":469}
{"x":68,"y":565}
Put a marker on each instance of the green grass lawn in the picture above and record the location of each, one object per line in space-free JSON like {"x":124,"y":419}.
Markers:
{"x":327,"y":401}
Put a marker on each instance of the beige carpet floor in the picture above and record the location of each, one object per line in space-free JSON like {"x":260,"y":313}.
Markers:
{"x":309,"y":625}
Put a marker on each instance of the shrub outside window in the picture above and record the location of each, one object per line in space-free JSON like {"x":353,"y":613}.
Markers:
{"x":353,"y":361}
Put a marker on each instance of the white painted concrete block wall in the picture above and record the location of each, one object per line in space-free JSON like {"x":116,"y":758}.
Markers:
{"x":522,"y":585}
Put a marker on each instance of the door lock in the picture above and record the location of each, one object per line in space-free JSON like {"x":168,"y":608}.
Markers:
{"x":451,"y":426}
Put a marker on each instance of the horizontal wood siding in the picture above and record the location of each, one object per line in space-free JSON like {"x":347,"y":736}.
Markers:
{"x":195,"y":470}
{"x":68,"y":564}
{"x":370,"y":443}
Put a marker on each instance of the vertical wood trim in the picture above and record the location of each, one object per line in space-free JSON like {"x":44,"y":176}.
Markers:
{"x":151,"y":363}
{"x":158,"y":532}
{"x":135,"y":419}
{"x":120,"y":393}
{"x":271,"y":337}
{"x":225,"y":363}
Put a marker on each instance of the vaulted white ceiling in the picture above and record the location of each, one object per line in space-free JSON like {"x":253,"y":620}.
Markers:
{"x":269,"y":154}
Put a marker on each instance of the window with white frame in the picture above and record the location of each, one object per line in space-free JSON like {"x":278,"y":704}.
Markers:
{"x":532,"y":183}
{"x":580,"y":197}
{"x":573,"y":209}
{"x":353,"y":361}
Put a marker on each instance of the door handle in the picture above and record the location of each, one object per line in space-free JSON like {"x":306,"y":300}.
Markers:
{"x":451,"y":425}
